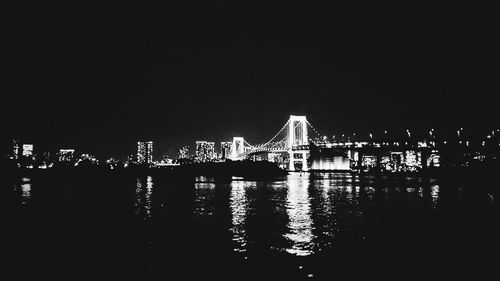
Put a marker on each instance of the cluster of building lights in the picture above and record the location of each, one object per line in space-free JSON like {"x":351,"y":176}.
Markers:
{"x":206,"y":151}
{"x":24,"y":155}
{"x":405,"y":154}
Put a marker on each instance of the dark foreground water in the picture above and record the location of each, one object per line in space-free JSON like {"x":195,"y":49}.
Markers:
{"x":303,"y":226}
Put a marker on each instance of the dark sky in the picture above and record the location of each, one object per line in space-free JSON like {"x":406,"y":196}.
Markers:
{"x":100,"y":77}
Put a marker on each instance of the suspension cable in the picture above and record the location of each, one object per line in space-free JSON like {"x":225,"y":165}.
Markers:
{"x":279,"y":132}
{"x":314,"y":129}
{"x":245,"y":142}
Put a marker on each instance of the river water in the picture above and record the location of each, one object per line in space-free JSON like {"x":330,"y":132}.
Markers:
{"x":302,"y":226}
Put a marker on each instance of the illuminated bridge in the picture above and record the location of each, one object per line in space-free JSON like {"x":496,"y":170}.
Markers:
{"x":293,"y":138}
{"x":295,"y":141}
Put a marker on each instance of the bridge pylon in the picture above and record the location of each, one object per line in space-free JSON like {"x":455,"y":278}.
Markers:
{"x":298,"y":142}
{"x":237,"y":148}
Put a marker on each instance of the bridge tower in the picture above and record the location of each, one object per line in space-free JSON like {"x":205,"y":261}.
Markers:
{"x":237,"y":147}
{"x":298,"y":141}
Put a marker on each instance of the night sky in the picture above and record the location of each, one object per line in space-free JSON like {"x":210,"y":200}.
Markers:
{"x":99,"y":78}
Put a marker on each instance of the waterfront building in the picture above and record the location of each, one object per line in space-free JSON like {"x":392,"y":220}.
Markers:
{"x":144,"y":152}
{"x":66,"y":155}
{"x":15,"y":150}
{"x":28,"y":150}
{"x":205,"y":151}
{"x":225,"y":150}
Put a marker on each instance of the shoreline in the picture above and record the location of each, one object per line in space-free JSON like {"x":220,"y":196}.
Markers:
{"x":257,"y":170}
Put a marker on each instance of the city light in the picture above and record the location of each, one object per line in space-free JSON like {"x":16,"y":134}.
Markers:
{"x":66,"y":154}
{"x":205,"y":151}
{"x":297,"y":146}
{"x":144,"y":152}
{"x":27,"y":150}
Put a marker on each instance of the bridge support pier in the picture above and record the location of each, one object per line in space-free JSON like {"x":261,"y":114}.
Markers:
{"x":360,"y":161}
{"x":237,"y":147}
{"x":298,"y":156}
{"x":291,"y":166}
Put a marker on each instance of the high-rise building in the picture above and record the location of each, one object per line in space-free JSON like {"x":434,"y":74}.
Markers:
{"x":27,"y":150}
{"x":225,"y":150}
{"x":145,"y":152}
{"x":15,"y":150}
{"x":149,"y":152}
{"x":205,"y":151}
{"x":412,"y":160}
{"x":141,"y":152}
{"x":66,"y":154}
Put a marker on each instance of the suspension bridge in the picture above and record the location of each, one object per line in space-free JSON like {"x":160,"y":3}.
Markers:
{"x":298,"y":138}
{"x":293,"y":139}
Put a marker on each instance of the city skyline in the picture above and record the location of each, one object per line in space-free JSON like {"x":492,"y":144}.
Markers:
{"x":453,"y":134}
{"x":409,"y":151}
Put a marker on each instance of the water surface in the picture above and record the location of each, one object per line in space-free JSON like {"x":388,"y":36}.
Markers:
{"x":302,"y":226}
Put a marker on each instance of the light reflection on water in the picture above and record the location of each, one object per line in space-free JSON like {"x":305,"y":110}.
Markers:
{"x":435,"y":194}
{"x":204,"y":195}
{"x":143,"y":193}
{"x":299,"y":215}
{"x":239,"y":208}
{"x":138,"y":202}
{"x":26,"y":190}
{"x":303,"y":224}
{"x":149,"y":191}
